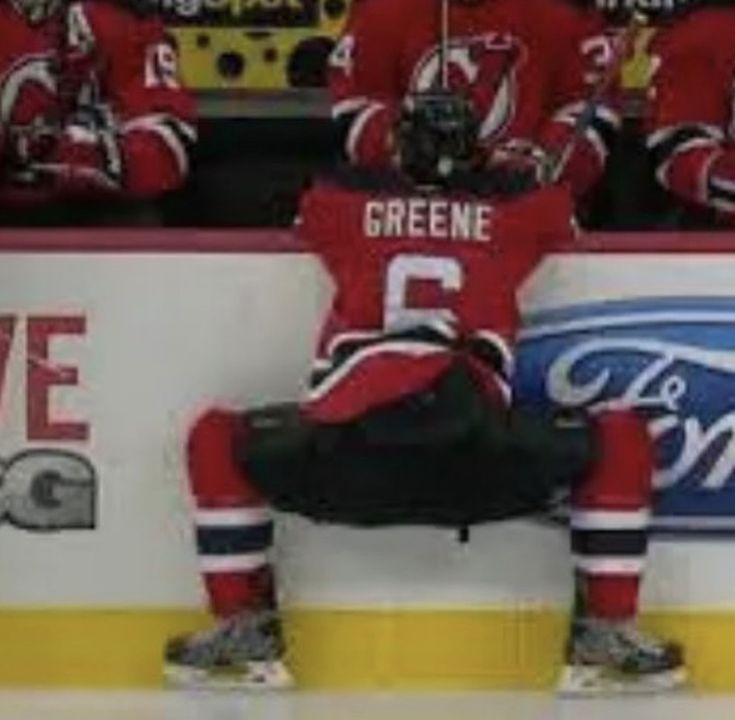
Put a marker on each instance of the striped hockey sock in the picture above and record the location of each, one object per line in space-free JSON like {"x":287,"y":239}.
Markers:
{"x":610,"y":519}
{"x":234,"y":528}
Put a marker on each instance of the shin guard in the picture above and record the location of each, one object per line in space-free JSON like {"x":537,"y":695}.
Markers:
{"x":610,"y":518}
{"x":234,"y":528}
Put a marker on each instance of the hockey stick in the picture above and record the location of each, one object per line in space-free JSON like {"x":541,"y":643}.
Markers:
{"x":622,"y":46}
{"x":444,"y":49}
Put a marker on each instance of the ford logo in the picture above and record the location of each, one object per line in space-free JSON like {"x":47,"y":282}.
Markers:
{"x":672,"y":359}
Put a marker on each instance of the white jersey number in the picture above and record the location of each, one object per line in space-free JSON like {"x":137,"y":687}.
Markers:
{"x":161,"y":66}
{"x":404,"y":269}
{"x":343,"y":55}
{"x":598,"y":53}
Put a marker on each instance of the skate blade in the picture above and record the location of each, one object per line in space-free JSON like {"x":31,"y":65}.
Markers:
{"x":258,"y":676}
{"x":586,"y":680}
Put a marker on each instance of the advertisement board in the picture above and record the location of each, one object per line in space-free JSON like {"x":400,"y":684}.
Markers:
{"x":112,"y":342}
{"x":254,"y":45}
{"x":673,"y":359}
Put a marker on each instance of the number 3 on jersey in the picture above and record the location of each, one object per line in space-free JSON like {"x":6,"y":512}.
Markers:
{"x":405,"y":269}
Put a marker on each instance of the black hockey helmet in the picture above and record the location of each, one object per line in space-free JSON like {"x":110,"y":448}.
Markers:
{"x":436,"y":136}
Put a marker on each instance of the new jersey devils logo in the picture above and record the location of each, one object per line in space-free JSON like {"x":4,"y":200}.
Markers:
{"x":485,"y":68}
{"x":27,"y":89}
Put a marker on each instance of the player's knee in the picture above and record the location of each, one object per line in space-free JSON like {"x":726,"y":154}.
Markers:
{"x":213,"y":472}
{"x":623,"y":472}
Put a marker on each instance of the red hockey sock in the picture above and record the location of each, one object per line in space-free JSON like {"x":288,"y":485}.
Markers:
{"x":610,"y":518}
{"x":234,"y":530}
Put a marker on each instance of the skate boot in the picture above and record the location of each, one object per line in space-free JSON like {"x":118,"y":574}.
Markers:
{"x":614,"y":657}
{"x":242,"y":652}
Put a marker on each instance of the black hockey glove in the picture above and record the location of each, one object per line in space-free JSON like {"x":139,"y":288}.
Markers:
{"x":29,"y":143}
{"x":436,"y":137}
{"x":87,"y":157}
{"x":517,"y":166}
{"x":82,"y":156}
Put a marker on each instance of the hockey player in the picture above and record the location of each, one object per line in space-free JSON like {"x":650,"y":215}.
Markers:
{"x":691,"y":128}
{"x":409,"y":420}
{"x":91,"y":105}
{"x":524,"y":67}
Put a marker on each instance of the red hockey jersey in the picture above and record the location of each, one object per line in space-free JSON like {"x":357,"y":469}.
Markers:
{"x":96,"y":54}
{"x":420,"y":277}
{"x":526,"y":65}
{"x":691,"y":126}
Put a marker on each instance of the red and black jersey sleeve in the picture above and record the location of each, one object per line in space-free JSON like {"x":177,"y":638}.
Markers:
{"x":153,"y":112}
{"x":691,"y":109}
{"x":365,"y":79}
{"x":580,"y":52}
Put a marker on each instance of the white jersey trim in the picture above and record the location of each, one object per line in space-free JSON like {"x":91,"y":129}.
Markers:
{"x":349,"y":106}
{"x":159,"y":125}
{"x":358,"y":128}
{"x":340,"y":373}
{"x":663,"y":134}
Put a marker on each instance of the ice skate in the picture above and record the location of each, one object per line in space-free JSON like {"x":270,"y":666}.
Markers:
{"x":243,"y":652}
{"x":606,"y":657}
